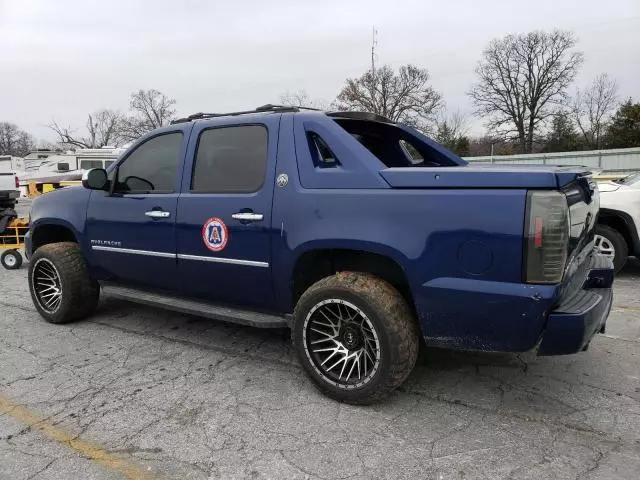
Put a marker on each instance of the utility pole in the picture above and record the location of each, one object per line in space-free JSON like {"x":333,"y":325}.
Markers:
{"x":374,"y":42}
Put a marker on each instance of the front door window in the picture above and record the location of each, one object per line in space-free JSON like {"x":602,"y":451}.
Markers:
{"x":152,"y":167}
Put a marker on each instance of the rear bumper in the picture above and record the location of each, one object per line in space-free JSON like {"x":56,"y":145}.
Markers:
{"x":470,"y":314}
{"x":9,"y":194}
{"x":571,"y":326}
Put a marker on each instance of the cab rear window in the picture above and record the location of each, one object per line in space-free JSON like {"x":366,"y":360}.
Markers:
{"x":393,"y":146}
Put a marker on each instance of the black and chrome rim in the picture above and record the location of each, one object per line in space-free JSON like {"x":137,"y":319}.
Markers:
{"x":341,"y":343}
{"x":47,"y":286}
{"x":605,"y":247}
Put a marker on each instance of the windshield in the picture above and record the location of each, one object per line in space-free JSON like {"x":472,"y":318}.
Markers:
{"x":631,"y":180}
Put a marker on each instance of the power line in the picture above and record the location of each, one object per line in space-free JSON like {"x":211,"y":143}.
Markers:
{"x":374,"y":43}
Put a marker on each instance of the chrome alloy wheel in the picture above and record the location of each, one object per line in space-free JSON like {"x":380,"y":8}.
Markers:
{"x":341,"y":343}
{"x":46,"y":285}
{"x":605,"y":247}
{"x":10,"y":261}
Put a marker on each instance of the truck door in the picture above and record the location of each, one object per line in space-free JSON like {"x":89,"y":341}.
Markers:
{"x":131,"y":231}
{"x":224,"y":212}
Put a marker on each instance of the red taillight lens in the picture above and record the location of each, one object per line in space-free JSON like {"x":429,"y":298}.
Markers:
{"x":17,"y":182}
{"x":537,"y":234}
{"x":546,"y":236}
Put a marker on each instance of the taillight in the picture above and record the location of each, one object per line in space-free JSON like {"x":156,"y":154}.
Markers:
{"x":17,"y":182}
{"x":546,"y":236}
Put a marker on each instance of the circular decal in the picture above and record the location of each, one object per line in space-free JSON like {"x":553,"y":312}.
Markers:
{"x":215,"y":234}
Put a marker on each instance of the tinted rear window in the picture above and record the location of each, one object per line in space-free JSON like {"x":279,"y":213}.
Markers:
{"x":231,"y":160}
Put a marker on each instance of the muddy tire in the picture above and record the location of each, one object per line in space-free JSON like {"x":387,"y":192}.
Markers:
{"x":611,"y":243}
{"x":355,"y":336}
{"x":61,"y":288}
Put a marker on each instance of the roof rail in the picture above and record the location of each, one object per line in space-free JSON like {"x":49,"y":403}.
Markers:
{"x":264,"y":108}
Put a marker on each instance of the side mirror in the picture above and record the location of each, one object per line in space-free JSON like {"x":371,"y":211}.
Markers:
{"x":95,"y":179}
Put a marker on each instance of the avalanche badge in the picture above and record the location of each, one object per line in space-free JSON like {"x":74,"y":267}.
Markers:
{"x":215,"y":234}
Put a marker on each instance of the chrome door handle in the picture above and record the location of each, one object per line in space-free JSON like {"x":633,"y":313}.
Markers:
{"x":248,"y":216}
{"x":157,"y":214}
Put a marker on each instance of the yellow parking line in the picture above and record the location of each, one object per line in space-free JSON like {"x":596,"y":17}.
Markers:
{"x":97,"y":454}
{"x":628,"y":309}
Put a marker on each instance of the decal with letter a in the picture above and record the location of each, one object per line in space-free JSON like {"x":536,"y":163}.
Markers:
{"x":215,"y":234}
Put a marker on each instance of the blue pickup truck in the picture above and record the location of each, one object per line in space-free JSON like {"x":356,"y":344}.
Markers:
{"x":362,"y":235}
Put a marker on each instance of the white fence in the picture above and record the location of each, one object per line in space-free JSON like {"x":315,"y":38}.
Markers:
{"x":619,"y":161}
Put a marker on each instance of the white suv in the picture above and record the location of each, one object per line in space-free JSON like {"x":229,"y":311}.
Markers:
{"x":618,"y":229}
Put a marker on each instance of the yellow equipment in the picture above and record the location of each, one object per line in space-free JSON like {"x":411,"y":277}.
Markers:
{"x":605,"y":178}
{"x":11,"y":240}
{"x":37,"y":188}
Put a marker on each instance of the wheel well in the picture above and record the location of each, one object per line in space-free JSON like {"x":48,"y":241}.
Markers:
{"x":315,"y":265}
{"x":51,"y":234}
{"x":617,"y":223}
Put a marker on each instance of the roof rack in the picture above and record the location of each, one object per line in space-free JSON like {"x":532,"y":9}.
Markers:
{"x":269,"y":107}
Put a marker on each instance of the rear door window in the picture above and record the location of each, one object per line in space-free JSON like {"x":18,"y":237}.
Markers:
{"x":230,"y":160}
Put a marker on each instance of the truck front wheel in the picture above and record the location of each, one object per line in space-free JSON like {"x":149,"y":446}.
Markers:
{"x":60,"y":285}
{"x":355,"y":336}
{"x":610,"y":243}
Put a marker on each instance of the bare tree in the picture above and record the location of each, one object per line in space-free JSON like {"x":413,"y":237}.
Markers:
{"x":102,"y":130}
{"x":521,"y":79}
{"x":592,"y":108}
{"x":301,"y":99}
{"x":404,"y":96}
{"x":151,"y":109}
{"x":14,"y":141}
{"x":47,"y":145}
{"x":486,"y":145}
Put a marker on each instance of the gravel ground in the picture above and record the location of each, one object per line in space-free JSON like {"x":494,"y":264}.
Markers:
{"x":136,"y":392}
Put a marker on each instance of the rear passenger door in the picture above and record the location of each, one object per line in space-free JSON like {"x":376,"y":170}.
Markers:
{"x":224,"y":212}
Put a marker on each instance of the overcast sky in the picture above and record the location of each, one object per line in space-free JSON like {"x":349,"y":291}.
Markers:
{"x":65,"y":58}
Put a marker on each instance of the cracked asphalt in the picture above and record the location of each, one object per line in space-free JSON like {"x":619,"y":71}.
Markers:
{"x":136,"y":392}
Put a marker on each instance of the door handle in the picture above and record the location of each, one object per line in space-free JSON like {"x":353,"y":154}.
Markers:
{"x":248,"y":216}
{"x":157,"y":214}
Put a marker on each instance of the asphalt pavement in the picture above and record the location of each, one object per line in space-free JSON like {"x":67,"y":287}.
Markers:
{"x":136,"y":392}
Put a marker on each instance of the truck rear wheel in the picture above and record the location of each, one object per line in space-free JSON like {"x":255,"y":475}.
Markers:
{"x":355,"y":336}
{"x":60,"y":285}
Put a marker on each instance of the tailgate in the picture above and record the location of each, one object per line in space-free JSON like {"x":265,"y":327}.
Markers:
{"x":7,"y":181}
